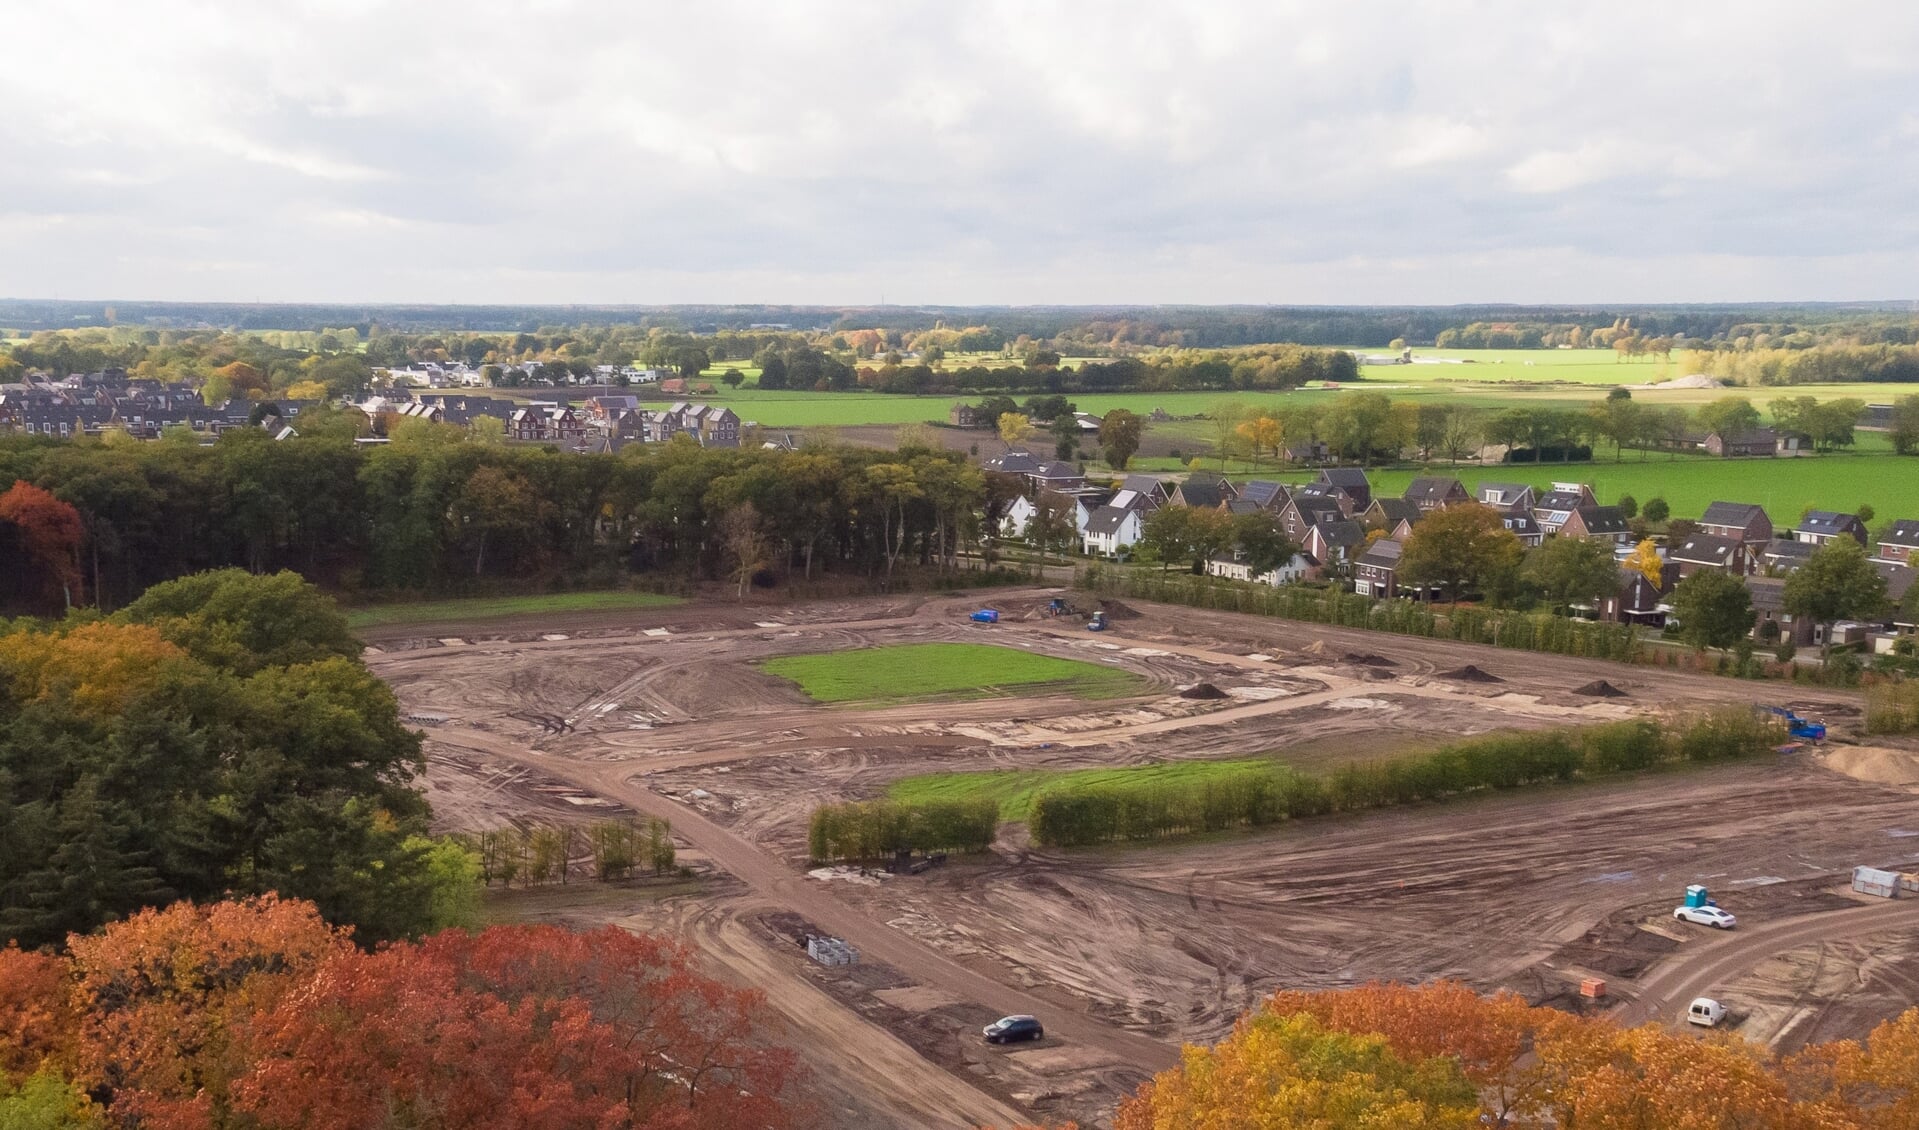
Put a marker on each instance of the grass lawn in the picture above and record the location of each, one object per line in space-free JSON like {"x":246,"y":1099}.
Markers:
{"x":912,"y":672}
{"x":1015,"y":789}
{"x":476,"y":608}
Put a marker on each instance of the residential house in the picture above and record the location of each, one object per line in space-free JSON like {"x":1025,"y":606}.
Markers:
{"x":1702,"y":552}
{"x":1768,"y":605}
{"x":1303,"y":512}
{"x":1898,"y":543}
{"x":1558,"y":504}
{"x":1598,"y":523}
{"x":1738,"y":521}
{"x":1436,"y":493}
{"x":1017,"y":461}
{"x":1821,"y":526}
{"x":1334,"y":544}
{"x":710,"y":425}
{"x":1264,"y":495}
{"x":1310,"y":453}
{"x":1203,"y":493}
{"x":1112,"y":531}
{"x":1642,"y":599}
{"x":1525,"y":527}
{"x":1507,"y":496}
{"x":970,"y":416}
{"x":1390,"y":514}
{"x":1151,"y":491}
{"x":1376,"y":571}
{"x":1327,"y":492}
{"x":1780,"y":557}
{"x":1233,"y":568}
{"x":1353,"y":482}
{"x":1056,"y":475}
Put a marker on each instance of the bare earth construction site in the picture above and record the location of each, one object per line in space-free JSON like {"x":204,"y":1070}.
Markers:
{"x":1127,"y":952}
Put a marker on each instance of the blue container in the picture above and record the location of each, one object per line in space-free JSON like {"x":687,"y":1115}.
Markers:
{"x":1696,"y":896}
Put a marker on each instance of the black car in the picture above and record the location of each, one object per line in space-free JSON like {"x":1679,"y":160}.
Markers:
{"x":1009,"y":1029}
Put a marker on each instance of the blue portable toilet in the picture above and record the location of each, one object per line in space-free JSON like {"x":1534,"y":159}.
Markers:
{"x":1696,"y":896}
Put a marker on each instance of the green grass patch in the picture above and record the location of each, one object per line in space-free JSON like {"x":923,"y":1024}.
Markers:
{"x":1014,"y":789}
{"x":476,"y":608}
{"x":914,"y":672}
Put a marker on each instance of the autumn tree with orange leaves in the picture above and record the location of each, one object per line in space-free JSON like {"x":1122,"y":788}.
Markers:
{"x":43,"y":535}
{"x":258,"y":1014}
{"x":1380,"y":1055}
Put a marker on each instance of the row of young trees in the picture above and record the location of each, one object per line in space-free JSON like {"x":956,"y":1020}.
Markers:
{"x":437,"y":509}
{"x":1442,"y":1057}
{"x":257,"y":1014}
{"x":219,"y":734}
{"x":1118,"y":809}
{"x":1526,"y":631}
{"x":546,"y":853}
{"x":871,"y":831}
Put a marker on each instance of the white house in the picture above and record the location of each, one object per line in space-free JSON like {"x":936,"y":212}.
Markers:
{"x":1112,"y":530}
{"x":1294,"y":570}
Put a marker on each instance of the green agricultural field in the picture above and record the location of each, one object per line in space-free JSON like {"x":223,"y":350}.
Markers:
{"x":950,"y":671}
{"x":479,"y":608}
{"x":1014,"y":789}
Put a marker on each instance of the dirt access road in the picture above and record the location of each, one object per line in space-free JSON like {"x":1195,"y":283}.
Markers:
{"x":1666,"y":994}
{"x":1125,"y":952}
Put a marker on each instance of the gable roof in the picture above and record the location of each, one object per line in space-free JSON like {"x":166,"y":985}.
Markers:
{"x":1898,"y":580}
{"x":1904,"y":531}
{"x":1015,"y":462}
{"x":1056,"y":469}
{"x":1568,"y":500}
{"x":1146,"y":485}
{"x":1238,"y":506}
{"x":1736,"y":514}
{"x":1342,"y":534}
{"x":1705,"y":549}
{"x":1768,"y":593}
{"x":1508,"y":493}
{"x":1522,"y":524}
{"x":1204,"y":494}
{"x":1384,"y":554}
{"x":1788,"y":555}
{"x":1604,"y":520}
{"x":1829,"y":522}
{"x":1433,"y":488}
{"x":1263,"y":492}
{"x":1396,"y":510}
{"x":1107,"y":520}
{"x":1348,"y":477}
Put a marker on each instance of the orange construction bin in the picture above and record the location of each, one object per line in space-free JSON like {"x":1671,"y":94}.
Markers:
{"x":1592,"y":987}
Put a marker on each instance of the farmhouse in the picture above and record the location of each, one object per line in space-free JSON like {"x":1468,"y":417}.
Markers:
{"x":970,"y":416}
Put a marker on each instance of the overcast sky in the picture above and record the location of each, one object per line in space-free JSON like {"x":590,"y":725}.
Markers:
{"x":958,"y":152}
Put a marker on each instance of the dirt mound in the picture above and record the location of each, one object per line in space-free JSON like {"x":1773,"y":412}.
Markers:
{"x":1202,"y":690}
{"x":1470,"y":674}
{"x":1317,"y":649}
{"x":1367,"y":659}
{"x":1600,"y":688}
{"x":1876,"y":764}
{"x":1116,"y":611}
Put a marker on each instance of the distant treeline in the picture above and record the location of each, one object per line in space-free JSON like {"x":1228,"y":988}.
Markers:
{"x":1268,"y":367}
{"x":1072,"y":329}
{"x":1079,"y":815}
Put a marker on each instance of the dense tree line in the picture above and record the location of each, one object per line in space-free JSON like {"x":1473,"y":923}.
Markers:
{"x":871,"y":831}
{"x":1118,"y":809}
{"x":218,"y":734}
{"x":1442,"y":1057}
{"x":257,"y":1014}
{"x":439,"y":509}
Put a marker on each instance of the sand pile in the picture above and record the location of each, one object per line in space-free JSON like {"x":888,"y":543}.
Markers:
{"x":1695,"y":380}
{"x":1600,"y":688}
{"x":1470,"y":674}
{"x":1317,"y":649}
{"x":1367,"y":659}
{"x":1202,"y":691}
{"x":1876,"y":764}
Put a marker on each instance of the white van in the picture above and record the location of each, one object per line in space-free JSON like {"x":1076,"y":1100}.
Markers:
{"x":1705,"y":1012}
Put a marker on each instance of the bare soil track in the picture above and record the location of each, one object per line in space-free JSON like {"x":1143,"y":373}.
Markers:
{"x":1125,"y":953}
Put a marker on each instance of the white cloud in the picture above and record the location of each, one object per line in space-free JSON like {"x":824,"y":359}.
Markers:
{"x":1069,"y":151}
